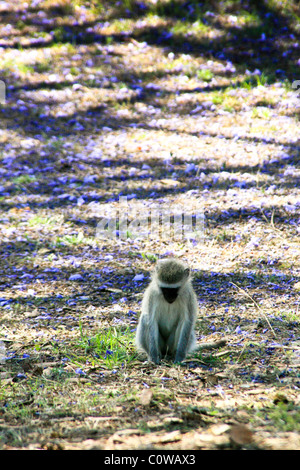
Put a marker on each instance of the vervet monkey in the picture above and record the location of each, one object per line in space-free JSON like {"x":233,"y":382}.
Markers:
{"x":169,"y":311}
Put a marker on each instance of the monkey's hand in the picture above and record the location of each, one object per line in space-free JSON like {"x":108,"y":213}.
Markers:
{"x":179,"y":358}
{"x":155,"y":358}
{"x":154,"y":355}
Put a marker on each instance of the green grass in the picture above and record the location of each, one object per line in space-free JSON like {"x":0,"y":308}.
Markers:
{"x":261,"y":113}
{"x":206,"y":358}
{"x":7,"y":66}
{"x":76,"y":239}
{"x":182,"y":28}
{"x":255,"y":81}
{"x":40,"y":220}
{"x":64,"y":7}
{"x":43,"y":67}
{"x":113,"y":347}
{"x":23,"y":179}
{"x":217,"y":97}
{"x":150,"y":257}
{"x":205,"y":74}
{"x":285,"y":417}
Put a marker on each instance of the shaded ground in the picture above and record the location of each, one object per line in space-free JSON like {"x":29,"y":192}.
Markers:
{"x":173,"y":105}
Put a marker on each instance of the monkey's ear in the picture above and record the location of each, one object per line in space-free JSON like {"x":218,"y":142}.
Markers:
{"x":155,"y":268}
{"x":157,"y":265}
{"x":187,"y":272}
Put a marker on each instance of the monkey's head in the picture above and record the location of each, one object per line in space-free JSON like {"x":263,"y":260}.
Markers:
{"x":171,"y":274}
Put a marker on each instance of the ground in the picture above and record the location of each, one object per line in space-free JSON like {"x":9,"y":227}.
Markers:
{"x":123,"y":110}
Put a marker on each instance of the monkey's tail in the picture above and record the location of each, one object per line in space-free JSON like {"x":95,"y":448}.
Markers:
{"x":212,"y":345}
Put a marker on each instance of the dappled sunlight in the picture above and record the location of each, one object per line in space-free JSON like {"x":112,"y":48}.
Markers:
{"x":133,"y":131}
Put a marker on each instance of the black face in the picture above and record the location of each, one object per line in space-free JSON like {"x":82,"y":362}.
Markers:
{"x":170,"y":293}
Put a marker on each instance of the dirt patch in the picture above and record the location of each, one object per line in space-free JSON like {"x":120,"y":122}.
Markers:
{"x":138,"y":109}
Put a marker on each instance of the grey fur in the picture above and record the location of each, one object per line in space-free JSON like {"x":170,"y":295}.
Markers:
{"x":167,"y":329}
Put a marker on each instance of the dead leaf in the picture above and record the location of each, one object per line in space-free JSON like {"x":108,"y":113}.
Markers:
{"x":206,"y":440}
{"x":280,"y":398}
{"x":240,"y":434}
{"x":212,"y":380}
{"x":37,"y":370}
{"x":172,"y":420}
{"x":169,"y":373}
{"x":129,"y":432}
{"x":48,"y":371}
{"x":172,"y":436}
{"x":122,"y":436}
{"x":33,"y":314}
{"x":43,"y":251}
{"x":169,"y":182}
{"x":218,"y":429}
{"x":146,"y":397}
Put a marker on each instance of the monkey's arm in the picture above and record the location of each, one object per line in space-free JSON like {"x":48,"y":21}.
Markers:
{"x":153,"y":332}
{"x":189,"y":318}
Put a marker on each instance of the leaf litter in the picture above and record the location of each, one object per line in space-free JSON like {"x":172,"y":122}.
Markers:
{"x":163,"y":112}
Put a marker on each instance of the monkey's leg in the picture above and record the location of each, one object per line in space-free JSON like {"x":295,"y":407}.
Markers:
{"x":184,"y":341}
{"x":154,"y":353}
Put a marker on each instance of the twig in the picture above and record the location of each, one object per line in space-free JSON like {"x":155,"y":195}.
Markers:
{"x":271,"y":222}
{"x":256,"y":305}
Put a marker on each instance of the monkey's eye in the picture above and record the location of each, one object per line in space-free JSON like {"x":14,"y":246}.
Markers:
{"x":170,"y":293}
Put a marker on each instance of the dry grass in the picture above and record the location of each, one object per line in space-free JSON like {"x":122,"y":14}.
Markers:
{"x":164,"y":110}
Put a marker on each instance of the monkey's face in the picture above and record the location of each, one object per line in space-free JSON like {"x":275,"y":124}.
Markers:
{"x":170,"y":293}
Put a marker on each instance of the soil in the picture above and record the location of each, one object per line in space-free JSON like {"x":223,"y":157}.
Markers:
{"x":124,"y":111}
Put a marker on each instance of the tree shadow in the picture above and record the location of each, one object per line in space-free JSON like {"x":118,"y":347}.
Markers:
{"x":254,"y":51}
{"x":267,"y":38}
{"x":62,"y":299}
{"x":212,"y":287}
